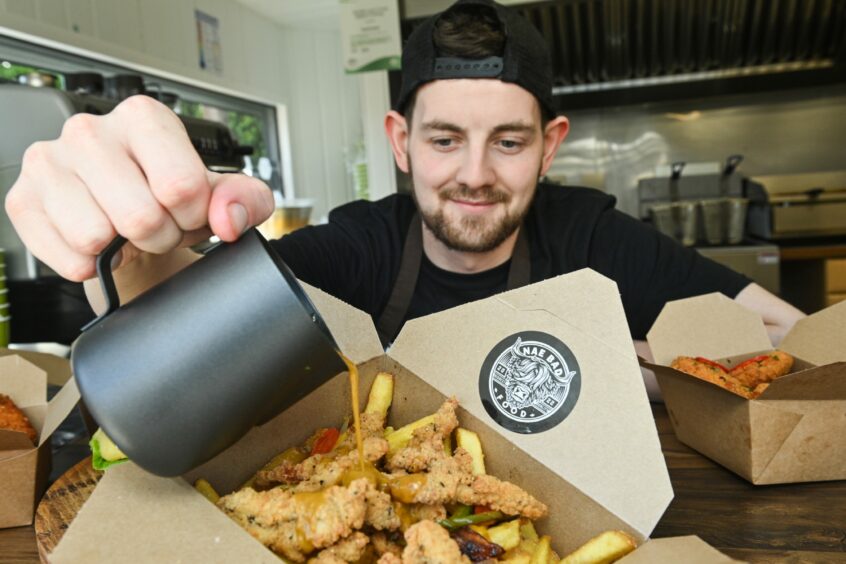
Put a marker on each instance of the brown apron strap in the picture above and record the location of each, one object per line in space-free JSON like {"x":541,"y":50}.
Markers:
{"x":520,"y":271}
{"x":393,"y":315}
{"x":390,"y":322}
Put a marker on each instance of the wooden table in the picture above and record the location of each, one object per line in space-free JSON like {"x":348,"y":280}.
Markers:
{"x":791,"y":523}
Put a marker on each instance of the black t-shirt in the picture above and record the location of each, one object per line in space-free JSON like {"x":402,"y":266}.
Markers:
{"x":356,"y":256}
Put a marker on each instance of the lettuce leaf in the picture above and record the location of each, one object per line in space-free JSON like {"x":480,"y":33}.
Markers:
{"x":97,"y":460}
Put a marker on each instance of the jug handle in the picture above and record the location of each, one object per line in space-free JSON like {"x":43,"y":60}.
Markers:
{"x":107,"y":281}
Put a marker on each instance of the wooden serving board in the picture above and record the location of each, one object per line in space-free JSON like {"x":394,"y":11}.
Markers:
{"x":61,"y":503}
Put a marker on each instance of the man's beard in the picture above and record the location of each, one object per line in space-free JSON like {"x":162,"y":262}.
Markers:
{"x":471,"y":234}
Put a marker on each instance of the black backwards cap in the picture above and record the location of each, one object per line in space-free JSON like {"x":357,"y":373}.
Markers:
{"x":524,"y":61}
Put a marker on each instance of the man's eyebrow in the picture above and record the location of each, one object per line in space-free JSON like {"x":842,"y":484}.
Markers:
{"x":515,"y":127}
{"x":438,"y":125}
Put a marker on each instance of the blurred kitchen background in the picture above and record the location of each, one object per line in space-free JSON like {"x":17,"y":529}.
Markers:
{"x":720,"y":122}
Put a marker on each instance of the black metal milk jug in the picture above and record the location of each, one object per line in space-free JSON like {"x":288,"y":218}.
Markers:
{"x":184,"y":370}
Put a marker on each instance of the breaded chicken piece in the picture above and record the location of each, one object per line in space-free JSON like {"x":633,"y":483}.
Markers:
{"x":422,"y":512}
{"x":710,"y":373}
{"x":763,"y":369}
{"x":13,"y":419}
{"x":330,"y":471}
{"x":372,"y":425}
{"x":703,"y":370}
{"x":389,"y":558}
{"x":501,"y":496}
{"x":429,"y":543}
{"x":350,"y":549}
{"x":446,"y":474}
{"x":321,"y":470}
{"x":387,"y":543}
{"x":427,"y":442}
{"x":381,"y":514}
{"x":759,"y":389}
{"x":295,"y":524}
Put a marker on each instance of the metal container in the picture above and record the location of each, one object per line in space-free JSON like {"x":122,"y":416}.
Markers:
{"x":736,"y":219}
{"x":713,"y":220}
{"x":724,"y":220}
{"x":186,"y":369}
{"x":677,"y":220}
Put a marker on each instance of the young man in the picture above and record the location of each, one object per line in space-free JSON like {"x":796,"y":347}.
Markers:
{"x":475,"y":127}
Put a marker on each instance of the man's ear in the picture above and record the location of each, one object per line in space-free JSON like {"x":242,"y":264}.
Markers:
{"x":554,"y":133}
{"x":396,"y":128}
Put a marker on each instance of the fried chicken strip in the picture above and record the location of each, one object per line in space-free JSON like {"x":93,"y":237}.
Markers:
{"x":389,"y":558}
{"x":429,"y":543}
{"x":13,"y":419}
{"x":710,"y":373}
{"x":381,"y":514}
{"x":295,"y":524}
{"x":501,"y":496}
{"x":372,"y":425}
{"x":763,"y":369}
{"x":350,"y":549}
{"x":387,"y":543}
{"x":422,"y":511}
{"x":440,"y":485}
{"x":321,"y":470}
{"x":426,"y":444}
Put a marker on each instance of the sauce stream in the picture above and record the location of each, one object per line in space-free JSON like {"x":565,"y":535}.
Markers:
{"x":353,"y":369}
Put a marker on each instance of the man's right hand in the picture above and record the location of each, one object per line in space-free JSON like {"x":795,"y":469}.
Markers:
{"x":133,"y":172}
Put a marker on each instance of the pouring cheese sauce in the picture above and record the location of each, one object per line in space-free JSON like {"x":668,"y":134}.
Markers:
{"x":353,"y":369}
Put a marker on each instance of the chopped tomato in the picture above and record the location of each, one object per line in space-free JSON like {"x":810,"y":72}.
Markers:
{"x":712,"y":363}
{"x":326,"y":442}
{"x":754,"y":360}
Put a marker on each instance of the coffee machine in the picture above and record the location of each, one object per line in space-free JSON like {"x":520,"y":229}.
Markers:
{"x":45,"y":308}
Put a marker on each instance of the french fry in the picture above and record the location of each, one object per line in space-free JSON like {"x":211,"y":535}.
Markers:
{"x":542,"y":551}
{"x":381,"y":394}
{"x":448,"y":445}
{"x":482,"y":530}
{"x":399,"y":438}
{"x":523,"y":552}
{"x":469,"y":441}
{"x":602,"y":549}
{"x":207,"y":490}
{"x":506,"y":535}
{"x":527,"y":530}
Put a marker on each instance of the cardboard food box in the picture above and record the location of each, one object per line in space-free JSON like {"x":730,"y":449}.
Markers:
{"x":795,"y":430}
{"x":592,"y":453}
{"x":24,"y":467}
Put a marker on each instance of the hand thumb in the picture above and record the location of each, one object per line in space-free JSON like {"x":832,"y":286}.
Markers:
{"x":238,"y":202}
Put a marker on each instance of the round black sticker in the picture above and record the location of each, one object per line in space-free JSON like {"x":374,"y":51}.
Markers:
{"x":530,"y":382}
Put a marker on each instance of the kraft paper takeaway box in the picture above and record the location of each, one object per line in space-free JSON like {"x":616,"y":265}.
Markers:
{"x":24,"y":467}
{"x":587,"y":446}
{"x":795,"y":430}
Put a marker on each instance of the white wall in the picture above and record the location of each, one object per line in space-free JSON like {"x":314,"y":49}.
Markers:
{"x":262,"y":59}
{"x":324,"y":112}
